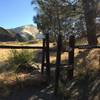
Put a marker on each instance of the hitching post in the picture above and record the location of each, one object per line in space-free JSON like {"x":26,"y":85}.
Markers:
{"x":43,"y":57}
{"x":71,"y":57}
{"x":58,"y":63}
{"x":43,"y":38}
{"x":47,"y":57}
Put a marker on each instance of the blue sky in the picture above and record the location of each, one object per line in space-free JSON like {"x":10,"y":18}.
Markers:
{"x":15,"y":13}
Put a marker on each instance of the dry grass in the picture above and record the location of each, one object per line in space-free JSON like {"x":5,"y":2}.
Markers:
{"x":84,"y":60}
{"x":87,"y":60}
{"x":10,"y":80}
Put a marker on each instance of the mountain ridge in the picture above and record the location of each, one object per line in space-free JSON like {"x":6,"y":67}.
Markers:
{"x":21,"y":33}
{"x":30,"y":29}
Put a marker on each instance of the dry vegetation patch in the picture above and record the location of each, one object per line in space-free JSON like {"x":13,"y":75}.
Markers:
{"x":85,"y":61}
{"x":9,"y":81}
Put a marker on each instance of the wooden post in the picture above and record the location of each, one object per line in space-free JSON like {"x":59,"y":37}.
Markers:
{"x":71,"y":57}
{"x":58,"y":62}
{"x":47,"y":57}
{"x":43,"y":57}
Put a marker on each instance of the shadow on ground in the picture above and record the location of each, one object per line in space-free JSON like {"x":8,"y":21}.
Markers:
{"x":33,"y":93}
{"x":86,"y":84}
{"x":87,"y":87}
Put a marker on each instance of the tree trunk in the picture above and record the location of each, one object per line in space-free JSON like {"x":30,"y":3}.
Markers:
{"x":89,"y":7}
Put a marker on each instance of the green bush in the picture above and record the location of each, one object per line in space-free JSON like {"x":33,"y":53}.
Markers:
{"x":20,"y":57}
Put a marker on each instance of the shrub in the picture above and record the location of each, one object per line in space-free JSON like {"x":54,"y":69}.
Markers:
{"x":18,"y":57}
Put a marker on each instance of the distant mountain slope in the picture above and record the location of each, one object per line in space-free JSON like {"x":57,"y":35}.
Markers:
{"x":5,"y":35}
{"x":23,"y":33}
{"x":29,"y":29}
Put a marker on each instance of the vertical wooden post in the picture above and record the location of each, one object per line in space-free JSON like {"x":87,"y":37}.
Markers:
{"x":47,"y":57}
{"x":58,"y":63}
{"x":71,"y":57}
{"x":43,"y":57}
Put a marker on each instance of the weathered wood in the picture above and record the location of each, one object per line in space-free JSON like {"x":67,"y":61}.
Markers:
{"x":58,"y":63}
{"x":54,"y":50}
{"x":43,"y":57}
{"x":54,"y":65}
{"x":21,"y":47}
{"x":86,"y":46}
{"x":47,"y":57}
{"x":71,"y":57}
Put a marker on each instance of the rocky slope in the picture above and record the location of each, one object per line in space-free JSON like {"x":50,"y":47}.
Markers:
{"x":22,"y":33}
{"x":29,"y":29}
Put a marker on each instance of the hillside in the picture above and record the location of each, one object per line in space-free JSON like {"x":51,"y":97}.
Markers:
{"x":6,"y":35}
{"x":29,"y":29}
{"x":21,"y":34}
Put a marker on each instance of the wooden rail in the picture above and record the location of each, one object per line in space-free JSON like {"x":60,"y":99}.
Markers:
{"x":58,"y":62}
{"x":21,"y":47}
{"x":47,"y":58}
{"x":86,"y":47}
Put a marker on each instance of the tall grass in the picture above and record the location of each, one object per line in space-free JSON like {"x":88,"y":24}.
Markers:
{"x":18,"y":57}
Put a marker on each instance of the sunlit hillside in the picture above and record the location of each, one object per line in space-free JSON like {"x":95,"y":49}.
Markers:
{"x":21,"y":34}
{"x":29,"y":29}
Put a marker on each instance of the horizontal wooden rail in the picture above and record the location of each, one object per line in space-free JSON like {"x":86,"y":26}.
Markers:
{"x":54,"y":65}
{"x":77,"y":47}
{"x":51,"y":49}
{"x":86,"y":46}
{"x":21,"y":47}
{"x":54,"y":50}
{"x":28,"y":47}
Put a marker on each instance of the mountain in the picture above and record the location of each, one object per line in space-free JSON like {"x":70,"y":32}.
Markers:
{"x":22,"y":33}
{"x":5,"y":35}
{"x":29,"y":29}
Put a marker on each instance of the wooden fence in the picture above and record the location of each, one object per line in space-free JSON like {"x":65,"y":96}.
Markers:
{"x":45,"y":52}
{"x":46,"y":56}
{"x":70,"y":67}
